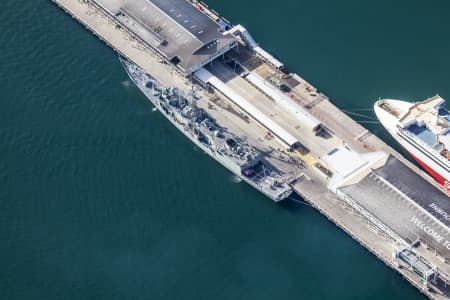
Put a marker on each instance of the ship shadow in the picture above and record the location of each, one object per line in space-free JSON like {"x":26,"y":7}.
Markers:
{"x":294,"y":203}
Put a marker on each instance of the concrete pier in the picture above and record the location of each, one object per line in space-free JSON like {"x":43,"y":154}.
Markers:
{"x":344,"y":205}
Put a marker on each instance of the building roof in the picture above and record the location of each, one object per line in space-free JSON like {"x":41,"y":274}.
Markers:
{"x":344,"y":161}
{"x":177,"y":29}
{"x":207,"y":77}
{"x":405,"y":202}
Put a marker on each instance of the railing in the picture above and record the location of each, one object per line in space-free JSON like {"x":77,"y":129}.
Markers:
{"x":414,"y":138}
{"x":393,"y":235}
{"x":386,"y":230}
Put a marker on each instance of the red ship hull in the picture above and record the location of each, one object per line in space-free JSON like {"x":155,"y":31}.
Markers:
{"x":438,"y":177}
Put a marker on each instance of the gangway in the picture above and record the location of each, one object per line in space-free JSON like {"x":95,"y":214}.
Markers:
{"x":245,"y":35}
{"x":253,"y":45}
{"x":416,"y":263}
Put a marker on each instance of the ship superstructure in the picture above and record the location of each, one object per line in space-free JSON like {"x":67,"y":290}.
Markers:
{"x":231,"y":151}
{"x":423,"y":130}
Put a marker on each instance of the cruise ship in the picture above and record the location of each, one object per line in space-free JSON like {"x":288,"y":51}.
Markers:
{"x":242,"y":159}
{"x":423,"y":130}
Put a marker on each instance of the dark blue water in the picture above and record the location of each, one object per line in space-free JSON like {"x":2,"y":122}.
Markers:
{"x":100,"y":198}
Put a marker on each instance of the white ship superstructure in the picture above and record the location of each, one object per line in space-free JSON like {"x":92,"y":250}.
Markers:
{"x":423,"y":130}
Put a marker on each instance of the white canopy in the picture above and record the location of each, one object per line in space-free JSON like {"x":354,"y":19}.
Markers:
{"x":206,"y":77}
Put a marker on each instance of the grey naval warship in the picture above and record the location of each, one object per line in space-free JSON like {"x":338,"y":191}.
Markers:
{"x":242,"y":159}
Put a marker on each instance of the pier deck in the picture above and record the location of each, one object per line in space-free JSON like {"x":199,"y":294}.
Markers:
{"x":425,"y":195}
{"x":318,"y":146}
{"x":400,"y":213}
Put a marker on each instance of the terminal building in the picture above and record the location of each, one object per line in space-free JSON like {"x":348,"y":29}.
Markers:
{"x":176,"y":29}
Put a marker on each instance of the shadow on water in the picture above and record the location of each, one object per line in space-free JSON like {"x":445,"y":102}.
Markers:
{"x":295,"y":203}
